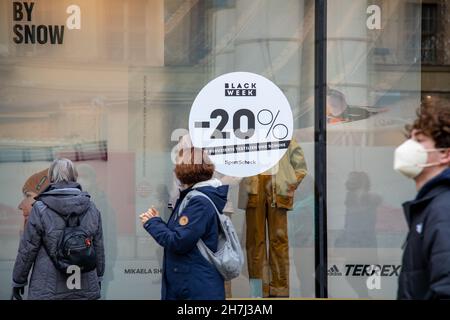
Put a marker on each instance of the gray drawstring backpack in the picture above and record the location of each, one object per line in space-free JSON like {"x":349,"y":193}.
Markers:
{"x":228,"y":259}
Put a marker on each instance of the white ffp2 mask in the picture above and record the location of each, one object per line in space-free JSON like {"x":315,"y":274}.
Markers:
{"x":411,"y":158}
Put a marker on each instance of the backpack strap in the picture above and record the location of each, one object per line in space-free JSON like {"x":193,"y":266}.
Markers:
{"x":71,"y":217}
{"x":194,"y":193}
{"x":202,"y":247}
{"x":189,"y":196}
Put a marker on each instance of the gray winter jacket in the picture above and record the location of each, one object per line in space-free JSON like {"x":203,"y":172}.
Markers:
{"x":39,"y":243}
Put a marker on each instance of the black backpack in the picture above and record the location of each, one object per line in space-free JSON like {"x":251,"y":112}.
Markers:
{"x":75,"y":247}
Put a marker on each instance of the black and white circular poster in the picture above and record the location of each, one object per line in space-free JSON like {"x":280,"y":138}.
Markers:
{"x":244,"y":122}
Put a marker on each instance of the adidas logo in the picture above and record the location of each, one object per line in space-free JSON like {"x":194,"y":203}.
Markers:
{"x":334,"y":271}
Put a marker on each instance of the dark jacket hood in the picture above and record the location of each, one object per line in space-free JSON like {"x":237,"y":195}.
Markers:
{"x":217,"y":194}
{"x":65,"y":198}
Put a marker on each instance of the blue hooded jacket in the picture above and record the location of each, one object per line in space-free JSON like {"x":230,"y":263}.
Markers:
{"x":186,"y":273}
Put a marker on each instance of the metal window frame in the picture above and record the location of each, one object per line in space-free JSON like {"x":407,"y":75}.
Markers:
{"x":320,"y":149}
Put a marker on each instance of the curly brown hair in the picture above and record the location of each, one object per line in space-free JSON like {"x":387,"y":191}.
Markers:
{"x":193,"y":168}
{"x":433,"y":120}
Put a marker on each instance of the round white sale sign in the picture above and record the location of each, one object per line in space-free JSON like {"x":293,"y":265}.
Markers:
{"x":244,"y":122}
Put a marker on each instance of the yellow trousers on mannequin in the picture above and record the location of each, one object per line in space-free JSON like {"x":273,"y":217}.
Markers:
{"x":261,"y":220}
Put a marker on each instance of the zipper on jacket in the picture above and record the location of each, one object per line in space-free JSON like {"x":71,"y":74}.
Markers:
{"x":75,"y":249}
{"x":406,"y":241}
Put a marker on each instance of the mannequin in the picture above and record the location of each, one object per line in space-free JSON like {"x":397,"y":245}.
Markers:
{"x":267,"y":198}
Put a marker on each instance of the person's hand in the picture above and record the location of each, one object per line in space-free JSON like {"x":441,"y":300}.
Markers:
{"x":151,"y":213}
{"x":18,"y":292}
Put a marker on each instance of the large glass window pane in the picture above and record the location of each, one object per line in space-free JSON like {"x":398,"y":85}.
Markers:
{"x":115,"y":97}
{"x":374,"y":84}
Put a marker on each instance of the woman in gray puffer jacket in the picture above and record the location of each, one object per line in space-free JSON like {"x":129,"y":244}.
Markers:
{"x":39,"y":244}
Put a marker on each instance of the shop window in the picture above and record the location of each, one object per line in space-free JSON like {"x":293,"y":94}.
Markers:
{"x":429,"y":33}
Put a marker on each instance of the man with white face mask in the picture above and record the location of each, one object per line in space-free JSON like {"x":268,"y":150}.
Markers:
{"x":425,"y":157}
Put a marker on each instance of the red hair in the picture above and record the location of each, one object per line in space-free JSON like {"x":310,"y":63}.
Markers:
{"x":195,"y":166}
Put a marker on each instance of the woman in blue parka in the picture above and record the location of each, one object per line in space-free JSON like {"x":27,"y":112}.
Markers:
{"x":186,"y":273}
